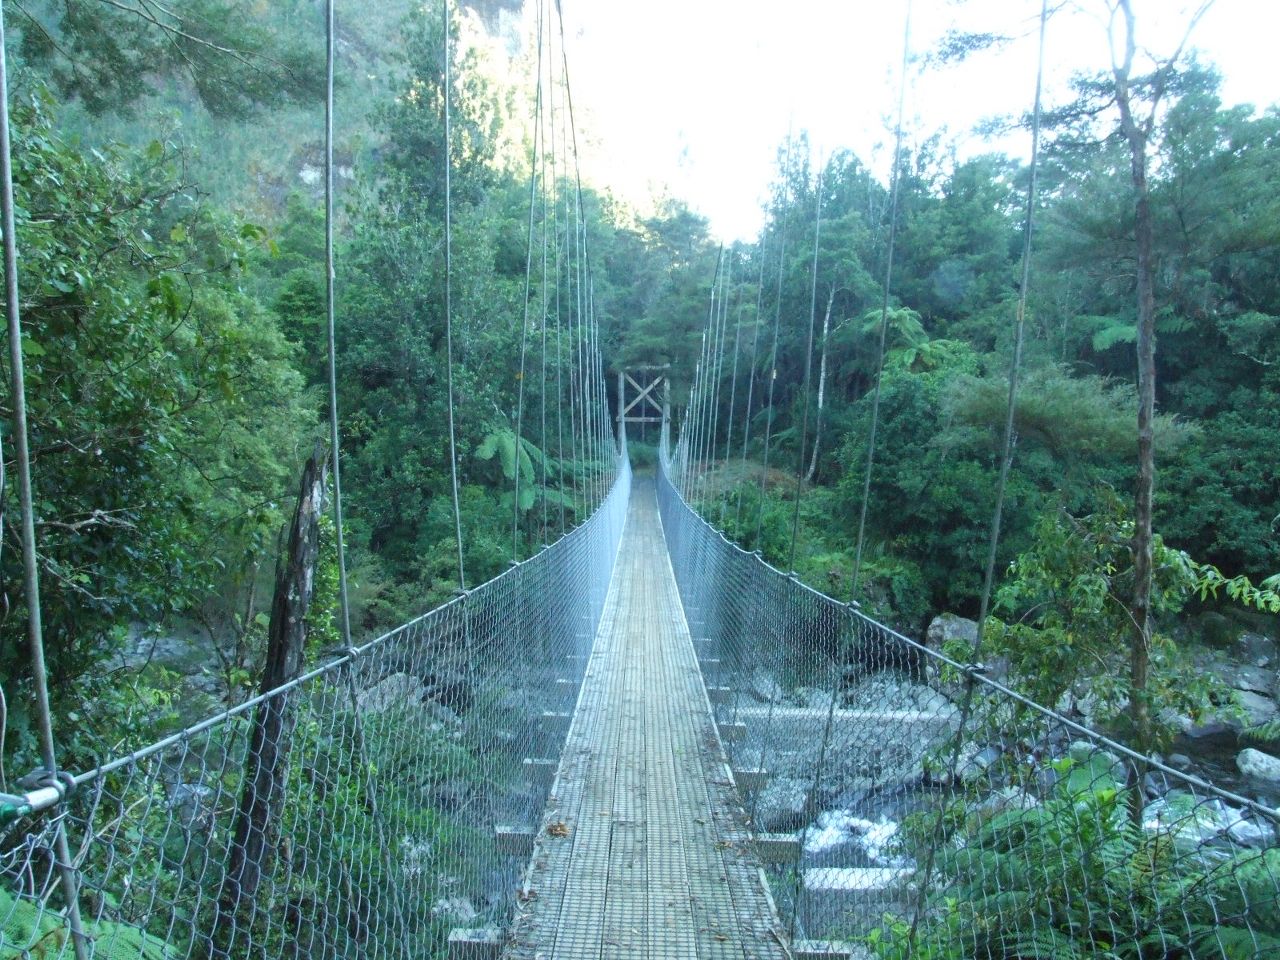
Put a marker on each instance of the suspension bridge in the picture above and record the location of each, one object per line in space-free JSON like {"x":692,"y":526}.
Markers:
{"x":641,"y":741}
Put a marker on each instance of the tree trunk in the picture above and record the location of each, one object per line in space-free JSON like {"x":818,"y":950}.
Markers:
{"x":822,"y":388}
{"x":266,"y":767}
{"x":1138,"y":134}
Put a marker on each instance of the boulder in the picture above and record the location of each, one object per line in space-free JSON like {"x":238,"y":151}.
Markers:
{"x":449,"y":689}
{"x":1258,"y":709}
{"x":457,"y":911}
{"x":782,"y":806}
{"x":764,"y":688}
{"x":1258,"y":680}
{"x":975,"y":762}
{"x":885,"y":691}
{"x":815,"y":699}
{"x":1257,"y":650}
{"x":946,"y":628}
{"x":397,"y":691}
{"x":1194,"y":821}
{"x":1259,"y":765}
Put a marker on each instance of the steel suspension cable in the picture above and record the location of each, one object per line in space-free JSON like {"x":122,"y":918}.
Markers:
{"x":528,"y":281}
{"x":331,"y":328}
{"x":559,"y":359}
{"x":602,"y":411}
{"x":751,"y":381}
{"x":344,"y":604}
{"x":584,"y":264}
{"x":693,"y":420}
{"x":777,"y":321}
{"x":543,"y":446}
{"x":718,"y":379}
{"x":448,"y":292}
{"x":808,"y":366}
{"x":575,"y":379}
{"x":1019,"y":333}
{"x":67,"y":873}
{"x":702,"y":416}
{"x":894,"y":187}
{"x":1006,"y":462}
{"x":733,"y":399}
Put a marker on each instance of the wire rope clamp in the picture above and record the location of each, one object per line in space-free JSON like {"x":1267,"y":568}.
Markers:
{"x":42,"y":790}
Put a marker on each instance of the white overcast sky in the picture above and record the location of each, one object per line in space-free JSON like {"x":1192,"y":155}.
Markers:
{"x":693,"y":97}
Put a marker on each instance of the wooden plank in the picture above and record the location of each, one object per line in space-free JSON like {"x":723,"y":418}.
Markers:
{"x":644,"y":850}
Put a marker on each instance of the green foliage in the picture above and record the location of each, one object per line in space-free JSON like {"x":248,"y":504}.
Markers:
{"x":164,"y":407}
{"x":643,"y":455}
{"x":110,"y":55}
{"x":1073,"y":876}
{"x":1067,"y":602}
{"x":32,"y":931}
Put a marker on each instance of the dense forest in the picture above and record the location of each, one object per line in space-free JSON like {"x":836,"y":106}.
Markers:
{"x":170,"y":222}
{"x":1068,"y":517}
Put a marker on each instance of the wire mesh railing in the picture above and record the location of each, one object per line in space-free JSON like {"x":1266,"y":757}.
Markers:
{"x":361,"y":810}
{"x":909,"y":806}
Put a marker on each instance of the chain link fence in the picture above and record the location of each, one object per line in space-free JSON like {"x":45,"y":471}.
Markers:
{"x":366,"y":809}
{"x":908,"y":806}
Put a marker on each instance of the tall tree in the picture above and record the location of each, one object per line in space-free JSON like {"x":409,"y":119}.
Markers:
{"x":1138,"y":116}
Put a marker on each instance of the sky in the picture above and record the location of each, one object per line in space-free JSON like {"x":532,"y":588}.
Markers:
{"x":692,"y":98}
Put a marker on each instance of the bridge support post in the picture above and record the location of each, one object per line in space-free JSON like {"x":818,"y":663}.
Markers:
{"x":651,"y":409}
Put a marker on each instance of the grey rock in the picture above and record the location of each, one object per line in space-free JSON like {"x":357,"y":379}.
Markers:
{"x":1258,"y":709}
{"x":1213,"y":730}
{"x":457,"y":910}
{"x":1047,"y":778}
{"x":1156,"y":783}
{"x":814,"y":698}
{"x":764,"y":688}
{"x":975,"y":761}
{"x":1194,"y":821}
{"x":1257,"y":650}
{"x":1007,"y":798}
{"x":783,"y":805}
{"x":1180,"y":761}
{"x":1259,"y":765}
{"x":394,"y":692}
{"x":1247,"y":677}
{"x":948,"y":628}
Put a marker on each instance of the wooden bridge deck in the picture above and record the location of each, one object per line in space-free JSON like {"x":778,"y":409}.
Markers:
{"x":644,"y":851}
